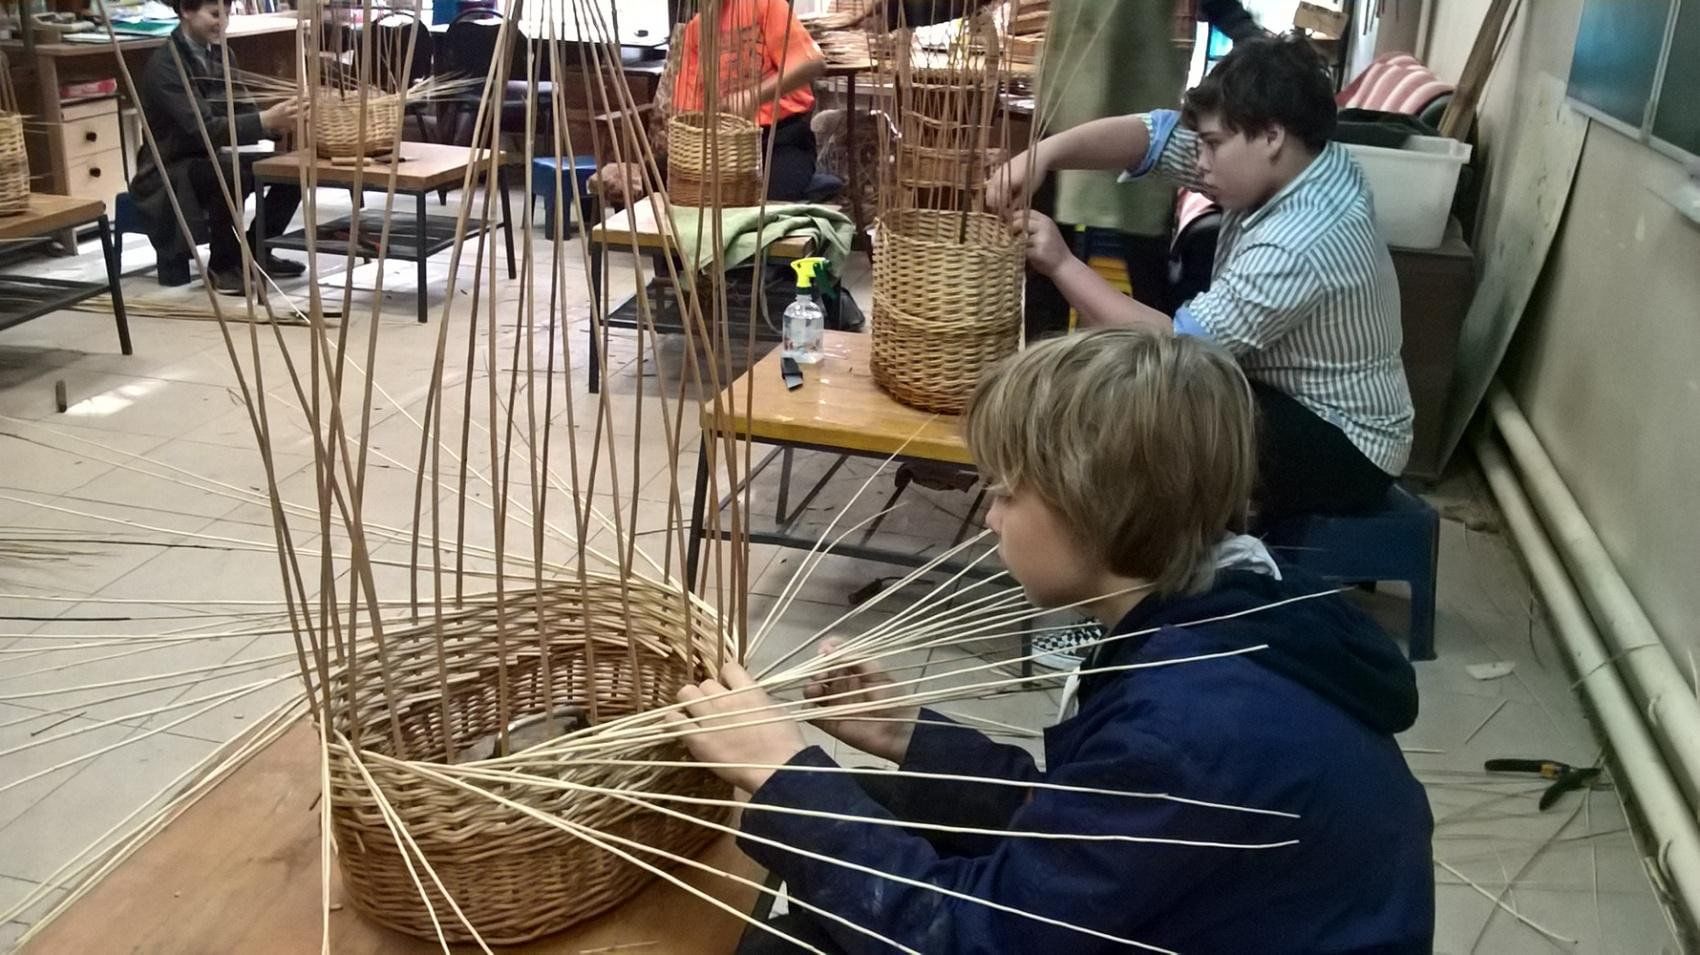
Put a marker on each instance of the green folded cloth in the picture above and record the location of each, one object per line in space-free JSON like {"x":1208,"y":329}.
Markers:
{"x":746,"y":229}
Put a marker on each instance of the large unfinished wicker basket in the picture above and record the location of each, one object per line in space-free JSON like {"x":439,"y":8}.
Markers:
{"x":14,"y":166}
{"x":947,"y":304}
{"x":709,"y":152}
{"x":515,"y":877}
{"x":339,"y":131}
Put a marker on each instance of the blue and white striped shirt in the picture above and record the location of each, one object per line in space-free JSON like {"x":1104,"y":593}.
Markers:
{"x":1304,"y":295}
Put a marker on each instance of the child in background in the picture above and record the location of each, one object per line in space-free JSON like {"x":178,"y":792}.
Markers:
{"x":1303,"y":292}
{"x":760,"y":41}
{"x":1139,"y":532}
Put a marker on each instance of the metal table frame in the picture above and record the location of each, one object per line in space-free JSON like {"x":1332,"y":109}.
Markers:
{"x":436,"y":240}
{"x":50,"y":295}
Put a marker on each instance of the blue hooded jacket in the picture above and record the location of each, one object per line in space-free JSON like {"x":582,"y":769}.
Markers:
{"x":1302,"y":727}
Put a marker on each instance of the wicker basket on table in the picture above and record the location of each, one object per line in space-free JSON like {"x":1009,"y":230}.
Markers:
{"x":14,"y":155}
{"x":338,"y":128}
{"x":700,"y":154}
{"x":947,"y":304}
{"x":515,"y":877}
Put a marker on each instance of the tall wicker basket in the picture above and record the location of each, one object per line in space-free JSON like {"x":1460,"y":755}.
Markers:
{"x":14,"y":155}
{"x":947,"y":304}
{"x":337,"y":125}
{"x":699,"y":154}
{"x":513,"y":876}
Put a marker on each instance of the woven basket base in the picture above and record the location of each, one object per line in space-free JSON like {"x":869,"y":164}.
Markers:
{"x":515,"y":876}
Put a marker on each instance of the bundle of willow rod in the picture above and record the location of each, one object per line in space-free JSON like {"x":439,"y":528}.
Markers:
{"x":713,"y":155}
{"x":14,"y":156}
{"x":568,"y":651}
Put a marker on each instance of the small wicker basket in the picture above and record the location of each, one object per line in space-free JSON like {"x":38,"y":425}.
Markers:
{"x":337,"y":126}
{"x":14,"y":153}
{"x":699,"y":154}
{"x":513,"y":876}
{"x":947,"y":304}
{"x":14,"y":166}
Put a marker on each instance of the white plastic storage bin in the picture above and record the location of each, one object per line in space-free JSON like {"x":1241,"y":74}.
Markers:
{"x":1413,"y":187}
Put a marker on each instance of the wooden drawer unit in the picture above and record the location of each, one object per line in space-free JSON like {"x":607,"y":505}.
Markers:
{"x":100,"y":176}
{"x":90,"y":128}
{"x":89,"y":151}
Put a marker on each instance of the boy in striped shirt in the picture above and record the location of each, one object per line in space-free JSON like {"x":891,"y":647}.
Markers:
{"x":1303,"y":291}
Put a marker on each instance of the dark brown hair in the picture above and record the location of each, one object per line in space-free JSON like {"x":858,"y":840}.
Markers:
{"x":1265,"y":82}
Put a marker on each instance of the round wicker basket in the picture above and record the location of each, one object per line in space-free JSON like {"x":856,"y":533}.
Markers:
{"x":513,"y":876}
{"x":947,"y":304}
{"x":699,"y":154}
{"x":338,"y":129}
{"x":14,"y":166}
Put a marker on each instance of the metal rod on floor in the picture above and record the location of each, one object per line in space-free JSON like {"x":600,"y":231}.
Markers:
{"x":1641,"y":768}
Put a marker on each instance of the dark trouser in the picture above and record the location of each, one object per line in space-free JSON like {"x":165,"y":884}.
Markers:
{"x":889,"y":790}
{"x":1146,"y":256}
{"x":281,"y":201}
{"x":1306,"y":465}
{"x":793,"y":164}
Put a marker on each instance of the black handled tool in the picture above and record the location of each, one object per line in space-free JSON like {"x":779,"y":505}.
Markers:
{"x":1564,"y":776}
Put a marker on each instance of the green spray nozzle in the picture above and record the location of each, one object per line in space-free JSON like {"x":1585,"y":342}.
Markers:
{"x":806,"y":268}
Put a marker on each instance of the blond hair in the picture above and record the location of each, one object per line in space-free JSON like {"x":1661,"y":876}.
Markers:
{"x":1142,"y":442}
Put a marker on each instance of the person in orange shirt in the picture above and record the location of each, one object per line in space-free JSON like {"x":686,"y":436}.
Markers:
{"x":768,"y":63}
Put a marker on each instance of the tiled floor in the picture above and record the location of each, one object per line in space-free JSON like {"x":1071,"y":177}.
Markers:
{"x":119,"y":554}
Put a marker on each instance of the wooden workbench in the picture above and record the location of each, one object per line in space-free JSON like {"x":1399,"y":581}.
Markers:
{"x":24,"y":297}
{"x":239,"y":873}
{"x":839,"y":407}
{"x":839,"y":410}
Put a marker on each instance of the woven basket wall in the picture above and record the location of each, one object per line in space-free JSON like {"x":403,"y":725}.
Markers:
{"x":515,"y":877}
{"x":337,"y":123}
{"x":14,"y":166}
{"x":947,"y":304}
{"x":921,"y":167}
{"x":696,"y":160}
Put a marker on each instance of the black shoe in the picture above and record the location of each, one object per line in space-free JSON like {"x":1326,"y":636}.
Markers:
{"x":227,"y":282}
{"x":282,"y":268}
{"x":173,"y":272}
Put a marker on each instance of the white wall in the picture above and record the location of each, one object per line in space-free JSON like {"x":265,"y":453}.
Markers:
{"x":1607,"y":362}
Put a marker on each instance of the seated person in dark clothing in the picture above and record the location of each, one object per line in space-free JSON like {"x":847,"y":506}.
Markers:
{"x":1228,"y":683}
{"x":761,"y":42}
{"x":177,"y":112}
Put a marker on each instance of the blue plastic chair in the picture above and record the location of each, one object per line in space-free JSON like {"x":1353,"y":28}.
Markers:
{"x":1401,"y":541}
{"x":125,"y":218}
{"x":544,"y":171}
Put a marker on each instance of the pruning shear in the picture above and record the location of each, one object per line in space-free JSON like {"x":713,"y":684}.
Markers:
{"x":1564,"y":776}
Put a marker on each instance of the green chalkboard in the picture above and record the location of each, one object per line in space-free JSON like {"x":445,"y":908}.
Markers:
{"x":1616,"y":61}
{"x":1677,"y":119}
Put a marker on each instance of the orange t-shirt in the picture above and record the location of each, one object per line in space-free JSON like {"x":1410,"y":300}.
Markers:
{"x":756,"y":36}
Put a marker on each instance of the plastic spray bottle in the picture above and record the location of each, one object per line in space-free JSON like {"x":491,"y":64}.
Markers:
{"x":805,"y":320}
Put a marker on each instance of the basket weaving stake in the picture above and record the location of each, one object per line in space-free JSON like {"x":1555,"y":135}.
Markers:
{"x":284,"y":550}
{"x":536,"y":468}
